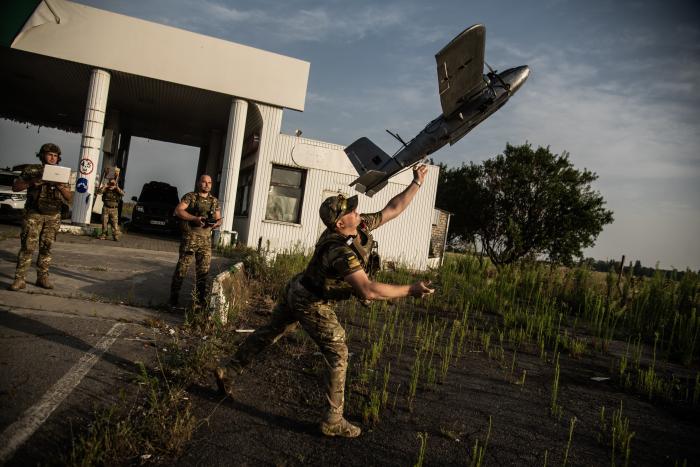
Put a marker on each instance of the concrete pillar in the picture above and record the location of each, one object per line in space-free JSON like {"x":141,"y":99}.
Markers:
{"x":202,"y":161}
{"x":122,"y":159}
{"x":211,"y":165}
{"x":90,"y":146}
{"x":110,"y":142}
{"x":209,"y":158}
{"x":231,"y":167}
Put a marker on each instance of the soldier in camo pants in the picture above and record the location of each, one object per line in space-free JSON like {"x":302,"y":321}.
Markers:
{"x":42,"y":217}
{"x":200,"y":214}
{"x":336,"y":271}
{"x":111,"y":197}
{"x":297,"y":306}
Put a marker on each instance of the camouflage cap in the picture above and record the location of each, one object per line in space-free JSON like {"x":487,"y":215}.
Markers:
{"x":334,"y":207}
{"x":49,"y":147}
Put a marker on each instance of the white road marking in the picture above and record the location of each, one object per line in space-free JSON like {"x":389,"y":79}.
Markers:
{"x":17,"y":433}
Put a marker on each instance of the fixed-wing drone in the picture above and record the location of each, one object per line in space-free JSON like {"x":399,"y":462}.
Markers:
{"x":467,"y":96}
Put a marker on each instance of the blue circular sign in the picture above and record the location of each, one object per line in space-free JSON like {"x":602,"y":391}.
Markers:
{"x":81,"y":186}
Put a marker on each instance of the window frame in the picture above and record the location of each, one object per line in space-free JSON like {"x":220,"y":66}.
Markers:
{"x":301,"y":188}
{"x":237,"y":210}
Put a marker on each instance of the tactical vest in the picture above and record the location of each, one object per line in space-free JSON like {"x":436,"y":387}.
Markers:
{"x":200,"y":207}
{"x":45,"y":198}
{"x":324,"y":283}
{"x":111,"y":198}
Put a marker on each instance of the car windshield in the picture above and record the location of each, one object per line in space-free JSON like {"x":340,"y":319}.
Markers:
{"x":7,"y":179}
{"x":162,"y":194}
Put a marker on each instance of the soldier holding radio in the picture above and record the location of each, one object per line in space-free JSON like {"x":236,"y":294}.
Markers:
{"x":112,"y":195}
{"x":200,"y":214}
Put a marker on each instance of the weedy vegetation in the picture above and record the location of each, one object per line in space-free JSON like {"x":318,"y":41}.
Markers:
{"x":408,"y":348}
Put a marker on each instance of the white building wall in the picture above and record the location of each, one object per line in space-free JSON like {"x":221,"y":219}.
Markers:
{"x":405,"y":240}
{"x":269,"y":142}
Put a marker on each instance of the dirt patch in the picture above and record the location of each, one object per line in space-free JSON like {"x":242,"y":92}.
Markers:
{"x":272,"y":418}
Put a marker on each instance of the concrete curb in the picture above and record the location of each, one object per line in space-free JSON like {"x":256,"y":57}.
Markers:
{"x":76,"y":229}
{"x":224,"y":290}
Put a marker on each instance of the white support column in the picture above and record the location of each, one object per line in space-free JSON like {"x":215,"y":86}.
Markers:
{"x":90,"y":146}
{"x":231,"y":167}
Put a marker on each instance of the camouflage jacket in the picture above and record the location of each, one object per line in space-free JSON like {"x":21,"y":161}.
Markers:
{"x":44,"y":198}
{"x":110,"y":198}
{"x":199,"y":206}
{"x":336,"y":256}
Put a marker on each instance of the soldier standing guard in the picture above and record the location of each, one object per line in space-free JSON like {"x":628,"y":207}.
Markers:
{"x":42,"y":216}
{"x":200,"y":214}
{"x":111,"y":197}
{"x":337,"y":270}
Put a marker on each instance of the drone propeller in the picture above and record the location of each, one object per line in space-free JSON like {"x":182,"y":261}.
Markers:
{"x":492,"y":72}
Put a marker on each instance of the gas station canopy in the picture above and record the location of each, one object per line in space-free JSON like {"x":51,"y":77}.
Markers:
{"x":166,"y":83}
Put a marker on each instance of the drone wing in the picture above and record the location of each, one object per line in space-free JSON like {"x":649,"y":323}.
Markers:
{"x":460,"y":66}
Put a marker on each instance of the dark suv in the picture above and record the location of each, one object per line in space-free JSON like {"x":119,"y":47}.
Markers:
{"x":155,"y":208}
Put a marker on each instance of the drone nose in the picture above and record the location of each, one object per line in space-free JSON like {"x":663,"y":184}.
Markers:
{"x":515,"y":77}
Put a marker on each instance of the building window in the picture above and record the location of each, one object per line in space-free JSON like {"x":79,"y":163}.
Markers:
{"x":245,"y":183}
{"x":436,"y":217}
{"x":285,"y":195}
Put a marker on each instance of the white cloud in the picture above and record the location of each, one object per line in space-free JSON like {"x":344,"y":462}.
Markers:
{"x":304,"y":24}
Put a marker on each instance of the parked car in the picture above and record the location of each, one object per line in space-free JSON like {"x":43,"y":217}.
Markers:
{"x":11,"y":203}
{"x":155,"y":208}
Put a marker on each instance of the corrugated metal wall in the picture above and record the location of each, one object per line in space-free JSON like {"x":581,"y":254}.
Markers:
{"x":405,"y":240}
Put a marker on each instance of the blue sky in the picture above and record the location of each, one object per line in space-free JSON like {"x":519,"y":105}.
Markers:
{"x":614,"y":83}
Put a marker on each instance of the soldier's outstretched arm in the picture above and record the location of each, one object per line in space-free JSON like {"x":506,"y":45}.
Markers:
{"x":398,"y":203}
{"x":371,"y":290}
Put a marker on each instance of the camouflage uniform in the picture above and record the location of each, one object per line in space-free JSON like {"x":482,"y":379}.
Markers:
{"x":110,"y":211}
{"x":308,"y":300}
{"x":42,"y":219}
{"x":196,"y":242}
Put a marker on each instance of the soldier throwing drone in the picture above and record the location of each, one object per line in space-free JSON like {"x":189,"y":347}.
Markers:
{"x":337,"y":270}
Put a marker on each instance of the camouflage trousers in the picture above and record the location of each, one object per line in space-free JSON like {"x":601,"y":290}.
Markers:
{"x":111,"y":216}
{"x":37,"y":230}
{"x":298,"y":306}
{"x":197,"y":247}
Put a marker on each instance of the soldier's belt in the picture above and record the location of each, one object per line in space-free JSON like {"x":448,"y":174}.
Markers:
{"x":308,"y":285}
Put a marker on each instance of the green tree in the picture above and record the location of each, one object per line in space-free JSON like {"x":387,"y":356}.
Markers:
{"x":459,"y":192}
{"x":525,"y":203}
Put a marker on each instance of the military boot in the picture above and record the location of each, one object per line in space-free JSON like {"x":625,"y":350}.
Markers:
{"x":42,"y":280}
{"x":201,"y":300}
{"x":18,"y":284}
{"x":223,"y":377}
{"x":341,"y":427}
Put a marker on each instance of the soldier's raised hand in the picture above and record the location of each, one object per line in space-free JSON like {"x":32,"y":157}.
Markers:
{"x":419,"y":173}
